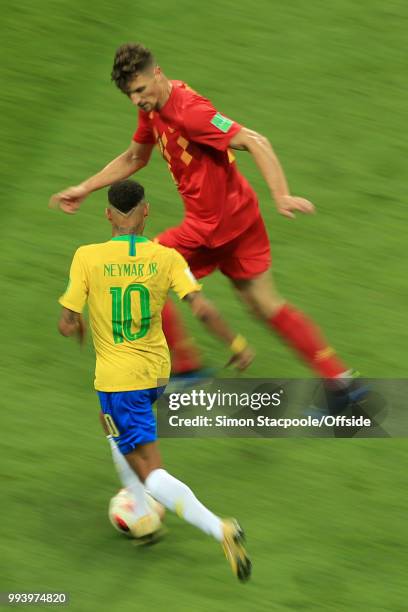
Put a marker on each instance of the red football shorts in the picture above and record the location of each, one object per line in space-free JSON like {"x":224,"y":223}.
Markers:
{"x":245,"y":257}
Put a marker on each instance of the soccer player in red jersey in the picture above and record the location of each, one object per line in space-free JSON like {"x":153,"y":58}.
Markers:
{"x":223,"y":228}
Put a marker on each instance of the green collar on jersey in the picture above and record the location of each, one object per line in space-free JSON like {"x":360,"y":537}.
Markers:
{"x":132,"y":239}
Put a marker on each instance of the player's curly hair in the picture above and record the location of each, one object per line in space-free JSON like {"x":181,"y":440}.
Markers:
{"x":125,"y":195}
{"x":130,"y":59}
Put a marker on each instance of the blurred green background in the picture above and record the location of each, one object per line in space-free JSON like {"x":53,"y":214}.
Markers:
{"x":326,"y":82}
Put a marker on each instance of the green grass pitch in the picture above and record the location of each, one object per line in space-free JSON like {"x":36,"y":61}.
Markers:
{"x":326,"y":82}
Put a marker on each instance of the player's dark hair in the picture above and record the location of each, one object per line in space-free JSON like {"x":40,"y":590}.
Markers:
{"x":125,"y":195}
{"x":130,"y":59}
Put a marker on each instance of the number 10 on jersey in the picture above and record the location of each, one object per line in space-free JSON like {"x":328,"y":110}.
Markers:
{"x":122,"y":318}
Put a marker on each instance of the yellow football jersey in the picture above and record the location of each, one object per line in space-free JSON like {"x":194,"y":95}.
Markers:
{"x":125,"y":282}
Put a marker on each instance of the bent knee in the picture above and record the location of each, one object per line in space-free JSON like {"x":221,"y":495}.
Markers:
{"x":265,"y":308}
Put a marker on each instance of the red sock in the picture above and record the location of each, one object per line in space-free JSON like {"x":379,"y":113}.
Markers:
{"x":184,"y":354}
{"x":305,"y":337}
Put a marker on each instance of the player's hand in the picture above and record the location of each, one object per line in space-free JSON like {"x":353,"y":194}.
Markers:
{"x":69,"y":200}
{"x":287,"y":204}
{"x":242,"y":360}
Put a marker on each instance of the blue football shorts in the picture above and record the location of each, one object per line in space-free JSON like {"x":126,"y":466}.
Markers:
{"x":129,"y":416}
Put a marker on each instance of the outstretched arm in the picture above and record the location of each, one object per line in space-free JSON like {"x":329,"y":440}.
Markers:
{"x":261,"y":150}
{"x":126,"y":164}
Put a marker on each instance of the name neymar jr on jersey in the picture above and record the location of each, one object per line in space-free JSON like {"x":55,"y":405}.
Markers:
{"x":130,"y":269}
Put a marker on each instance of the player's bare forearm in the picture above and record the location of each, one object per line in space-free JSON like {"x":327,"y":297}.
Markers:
{"x":72,"y":323}
{"x":118,"y":169}
{"x":123,"y":166}
{"x":208,"y":314}
{"x":268,"y":163}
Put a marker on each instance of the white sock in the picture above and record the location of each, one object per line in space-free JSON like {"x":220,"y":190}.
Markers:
{"x":129,"y":480}
{"x":345,"y":378}
{"x":176,"y":496}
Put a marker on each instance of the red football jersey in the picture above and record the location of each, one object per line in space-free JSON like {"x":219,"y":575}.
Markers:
{"x":194,"y":138}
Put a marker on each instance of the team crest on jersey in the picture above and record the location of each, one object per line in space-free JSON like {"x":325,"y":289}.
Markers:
{"x":221,"y":122}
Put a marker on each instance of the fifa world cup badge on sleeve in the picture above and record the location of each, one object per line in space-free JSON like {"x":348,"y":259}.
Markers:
{"x":221,"y":122}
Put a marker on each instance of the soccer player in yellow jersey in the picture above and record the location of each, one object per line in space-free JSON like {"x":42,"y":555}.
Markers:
{"x":125,"y":282}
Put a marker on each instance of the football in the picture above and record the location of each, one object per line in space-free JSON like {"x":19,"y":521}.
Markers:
{"x":122,"y":514}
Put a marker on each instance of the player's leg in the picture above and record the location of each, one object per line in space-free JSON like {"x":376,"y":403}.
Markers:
{"x":248,"y":267}
{"x":185,"y":356}
{"x":130,"y":418}
{"x":127,"y":476}
{"x":294,"y":327}
{"x":172,"y":493}
{"x":176,"y":496}
{"x":342,"y":388}
{"x":114,"y":407}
